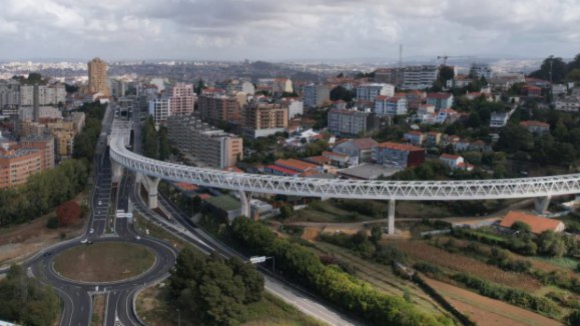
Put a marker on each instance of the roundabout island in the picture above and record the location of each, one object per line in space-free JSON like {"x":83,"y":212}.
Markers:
{"x":104,"y":262}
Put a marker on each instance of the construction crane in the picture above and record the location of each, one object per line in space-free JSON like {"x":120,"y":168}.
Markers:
{"x":445,"y":57}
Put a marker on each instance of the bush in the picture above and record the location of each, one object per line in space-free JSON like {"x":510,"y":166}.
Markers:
{"x":52,"y":223}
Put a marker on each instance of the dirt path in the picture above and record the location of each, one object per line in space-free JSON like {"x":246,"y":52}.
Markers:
{"x":485,"y":311}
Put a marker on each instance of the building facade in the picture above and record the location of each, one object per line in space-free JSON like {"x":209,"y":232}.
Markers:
{"x":315,"y":95}
{"x":268,"y":117}
{"x":217,"y":107}
{"x":398,"y":155}
{"x":182,"y":99}
{"x":210,"y":145}
{"x":16,"y":165}
{"x":390,"y":106}
{"x":440,"y":101}
{"x":368,"y":92}
{"x":351,"y":122}
{"x":98,"y":77}
{"x":160,"y":109}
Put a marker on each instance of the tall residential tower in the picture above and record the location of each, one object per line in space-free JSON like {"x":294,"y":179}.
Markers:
{"x":98,"y":76}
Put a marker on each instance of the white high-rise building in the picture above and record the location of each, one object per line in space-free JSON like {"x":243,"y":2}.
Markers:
{"x":481,"y":69}
{"x":47,"y":94}
{"x":160,"y":109}
{"x":315,"y":95}
{"x":368,"y":92}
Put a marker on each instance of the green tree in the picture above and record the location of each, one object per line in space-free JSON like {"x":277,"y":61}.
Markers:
{"x":573,"y":319}
{"x":376,"y":234}
{"x":286,"y":212}
{"x":550,"y":244}
{"x":552,"y":69}
{"x":474,"y":121}
{"x":521,"y":226}
{"x":513,"y":138}
{"x":446,"y":73}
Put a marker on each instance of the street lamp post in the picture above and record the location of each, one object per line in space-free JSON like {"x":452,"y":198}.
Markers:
{"x":178,"y":317}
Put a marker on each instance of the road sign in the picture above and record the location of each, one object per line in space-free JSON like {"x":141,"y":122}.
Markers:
{"x":129,"y":215}
{"x":258,"y":259}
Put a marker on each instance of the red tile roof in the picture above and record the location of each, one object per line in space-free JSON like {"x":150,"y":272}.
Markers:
{"x":449,"y":156}
{"x":400,"y":147}
{"x":186,"y":186}
{"x":538,"y":224}
{"x":282,"y":170}
{"x":364,"y":143}
{"x":318,"y":159}
{"x":295,"y":164}
{"x":529,"y":123}
{"x":414,"y":133}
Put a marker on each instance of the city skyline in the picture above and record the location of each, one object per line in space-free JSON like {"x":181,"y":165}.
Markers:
{"x":262,"y":30}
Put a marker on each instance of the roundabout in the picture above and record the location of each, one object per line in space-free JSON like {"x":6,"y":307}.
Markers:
{"x":104,"y":262}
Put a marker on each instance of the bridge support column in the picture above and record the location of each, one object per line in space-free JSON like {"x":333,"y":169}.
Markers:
{"x":245,"y":198}
{"x":150,"y":184}
{"x":541,"y":204}
{"x":391,"y":220}
{"x":117,"y":170}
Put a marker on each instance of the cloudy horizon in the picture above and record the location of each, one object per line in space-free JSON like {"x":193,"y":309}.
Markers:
{"x":265,"y":30}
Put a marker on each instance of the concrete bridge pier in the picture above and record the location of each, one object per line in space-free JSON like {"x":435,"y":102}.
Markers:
{"x":117,"y":170}
{"x":391,"y":220}
{"x":150,"y":184}
{"x":245,"y":197}
{"x":541,"y":204}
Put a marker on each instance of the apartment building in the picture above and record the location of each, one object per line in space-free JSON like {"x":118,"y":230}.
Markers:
{"x":118,"y":87}
{"x":47,"y":94}
{"x":45,"y":145}
{"x":351,"y":122}
{"x":263,"y":119}
{"x":17,"y":164}
{"x":441,"y":101}
{"x":412,"y":77}
{"x":398,"y":155}
{"x":478,"y":70}
{"x":182,"y":99}
{"x":9,"y":93}
{"x":390,"y":106}
{"x":160,"y":109}
{"x":368,"y":92}
{"x":217,"y":107}
{"x":97,"y":70}
{"x":315,"y":95}
{"x":209,"y":145}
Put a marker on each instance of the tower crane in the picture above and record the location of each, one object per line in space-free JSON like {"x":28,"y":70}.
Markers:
{"x":445,"y":57}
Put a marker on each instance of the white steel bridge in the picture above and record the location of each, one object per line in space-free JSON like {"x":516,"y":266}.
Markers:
{"x":542,"y":188}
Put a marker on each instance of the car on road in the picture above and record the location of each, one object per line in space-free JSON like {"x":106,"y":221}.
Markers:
{"x":46,"y":254}
{"x":138,"y":237}
{"x":92,"y":231}
{"x":83,"y":241}
{"x":100,"y":202}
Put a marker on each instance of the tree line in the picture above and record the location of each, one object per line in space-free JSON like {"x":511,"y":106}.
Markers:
{"x":155,"y":143}
{"x":86,"y":141}
{"x":330,"y":282}
{"x":212,"y":290}
{"x":25,"y":301}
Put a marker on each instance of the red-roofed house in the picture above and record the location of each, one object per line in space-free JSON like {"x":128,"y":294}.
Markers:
{"x":278,"y":170}
{"x":339,"y":159}
{"x":531,"y":90}
{"x":415,"y":137}
{"x":441,"y":101}
{"x":446,"y":116}
{"x":537,"y":224}
{"x":455,"y":162}
{"x":398,"y":155}
{"x":536,"y":127}
{"x":296,"y":165}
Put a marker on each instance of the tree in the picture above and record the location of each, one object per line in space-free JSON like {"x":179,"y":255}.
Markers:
{"x":521,"y":226}
{"x":376,"y":234}
{"x":550,"y":244}
{"x":474,"y":121}
{"x":513,"y":138}
{"x":341,"y":93}
{"x":68,"y":212}
{"x":446,"y":73}
{"x":286,"y":211}
{"x":553,"y":69}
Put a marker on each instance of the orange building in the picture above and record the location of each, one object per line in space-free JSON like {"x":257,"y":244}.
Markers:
{"x":16,"y":165}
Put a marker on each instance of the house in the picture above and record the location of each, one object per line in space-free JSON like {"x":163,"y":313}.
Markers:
{"x":426,"y":109}
{"x":441,"y":101}
{"x":360,"y":148}
{"x":296,"y":165}
{"x":536,"y":223}
{"x":568,"y":104}
{"x":433,"y":138}
{"x":415,"y":137}
{"x":478,"y":145}
{"x":415,"y":98}
{"x":558,"y":89}
{"x":499,"y":119}
{"x":446,"y":116}
{"x":455,"y":162}
{"x":531,"y":90}
{"x":398,"y":155}
{"x":391,"y":106}
{"x":340,"y":160}
{"x":462,"y":145}
{"x":281,"y":171}
{"x":536,"y":127}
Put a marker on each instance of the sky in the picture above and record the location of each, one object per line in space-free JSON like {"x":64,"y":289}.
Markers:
{"x":286,"y":29}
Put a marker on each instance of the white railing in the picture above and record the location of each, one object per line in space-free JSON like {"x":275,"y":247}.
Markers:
{"x":403,"y":190}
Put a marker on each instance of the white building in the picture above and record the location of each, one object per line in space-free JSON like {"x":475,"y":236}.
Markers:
{"x":419,"y":77}
{"x":315,"y":95}
{"x":479,"y":70}
{"x":455,"y":162}
{"x":396,"y":105}
{"x":446,"y":115}
{"x":245,"y":87}
{"x":160,"y":109}
{"x":567,"y":104}
{"x":368,"y":92}
{"x":47,"y":94}
{"x":499,"y":119}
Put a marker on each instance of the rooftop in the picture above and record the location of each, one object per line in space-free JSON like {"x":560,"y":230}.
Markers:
{"x":400,"y":147}
{"x":538,"y":224}
{"x":224,"y":202}
{"x":439,"y":96}
{"x":369,"y":171}
{"x":295,"y":164}
{"x":530,"y":123}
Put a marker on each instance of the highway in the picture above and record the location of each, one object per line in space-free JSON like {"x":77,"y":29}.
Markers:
{"x":77,"y":296}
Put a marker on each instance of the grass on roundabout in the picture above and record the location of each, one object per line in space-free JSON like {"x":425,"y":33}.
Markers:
{"x":104,"y":262}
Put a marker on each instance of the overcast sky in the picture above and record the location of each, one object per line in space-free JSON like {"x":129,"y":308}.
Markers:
{"x":286,"y":29}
